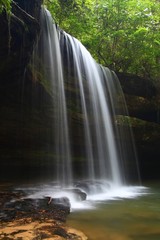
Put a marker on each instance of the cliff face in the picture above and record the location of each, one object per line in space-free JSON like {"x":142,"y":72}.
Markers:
{"x":26,"y":140}
{"x":18,"y":34}
{"x":24,"y":124}
{"x":143,"y":102}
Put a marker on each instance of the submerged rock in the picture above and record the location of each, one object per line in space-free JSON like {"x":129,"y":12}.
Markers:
{"x":91,"y":187}
{"x":77,"y":193}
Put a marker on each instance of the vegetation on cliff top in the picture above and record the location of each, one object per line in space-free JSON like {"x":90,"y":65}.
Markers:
{"x":123,"y":35}
{"x":5,"y":4}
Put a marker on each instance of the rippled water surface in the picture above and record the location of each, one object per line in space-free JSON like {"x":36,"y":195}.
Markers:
{"x":121,"y":219}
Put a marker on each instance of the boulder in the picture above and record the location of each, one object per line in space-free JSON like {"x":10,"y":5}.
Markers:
{"x":37,"y":209}
{"x":91,"y":187}
{"x":77,"y":193}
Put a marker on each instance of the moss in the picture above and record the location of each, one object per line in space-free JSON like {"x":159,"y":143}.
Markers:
{"x":5,"y":5}
{"x":144,"y":131}
{"x":38,"y":76}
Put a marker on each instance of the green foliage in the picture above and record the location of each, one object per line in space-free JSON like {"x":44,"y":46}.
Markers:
{"x":121,"y":34}
{"x":5,"y":5}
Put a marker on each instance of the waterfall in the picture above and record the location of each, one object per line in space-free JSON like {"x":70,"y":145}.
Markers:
{"x":48,"y":50}
{"x":102,"y":157}
{"x":70,"y":70}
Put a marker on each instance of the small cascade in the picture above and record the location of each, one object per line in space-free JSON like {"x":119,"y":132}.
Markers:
{"x":66,"y":62}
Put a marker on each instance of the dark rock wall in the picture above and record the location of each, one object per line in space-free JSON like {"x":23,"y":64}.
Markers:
{"x":25,"y":131}
{"x":143,"y":102}
{"x":18,"y":34}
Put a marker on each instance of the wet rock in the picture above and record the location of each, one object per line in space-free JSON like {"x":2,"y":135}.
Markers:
{"x":78,"y":194}
{"x":22,"y":218}
{"x":21,"y":26}
{"x":64,"y":201}
{"x":36,"y":209}
{"x":90,"y":187}
{"x":135,"y":85}
{"x":61,"y":232}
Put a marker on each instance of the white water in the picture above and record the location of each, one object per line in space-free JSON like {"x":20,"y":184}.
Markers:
{"x":102,"y":157}
{"x":52,"y":64}
{"x":63,"y":58}
{"x":112,"y":193}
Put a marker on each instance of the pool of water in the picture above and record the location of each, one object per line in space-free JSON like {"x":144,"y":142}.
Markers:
{"x":135,"y":218}
{"x":119,"y":213}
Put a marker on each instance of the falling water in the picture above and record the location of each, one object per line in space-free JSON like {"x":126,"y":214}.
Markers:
{"x":102,"y":157}
{"x":65,"y":60}
{"x":49,"y":52}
